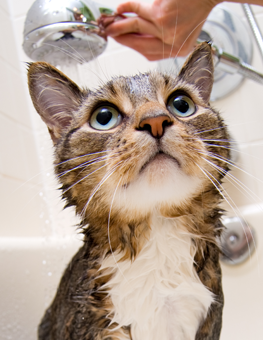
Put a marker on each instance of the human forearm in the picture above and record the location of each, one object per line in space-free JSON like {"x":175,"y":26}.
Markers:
{"x":164,"y":28}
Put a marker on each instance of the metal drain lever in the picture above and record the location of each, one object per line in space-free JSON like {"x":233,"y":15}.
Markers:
{"x":238,"y":241}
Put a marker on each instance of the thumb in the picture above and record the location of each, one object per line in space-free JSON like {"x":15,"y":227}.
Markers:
{"x":142,"y":9}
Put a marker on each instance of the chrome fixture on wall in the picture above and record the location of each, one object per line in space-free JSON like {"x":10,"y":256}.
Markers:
{"x":63,"y":31}
{"x":254,"y":27}
{"x":238,"y":241}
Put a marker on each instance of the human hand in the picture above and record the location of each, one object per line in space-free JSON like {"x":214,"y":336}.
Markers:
{"x":163,"y":29}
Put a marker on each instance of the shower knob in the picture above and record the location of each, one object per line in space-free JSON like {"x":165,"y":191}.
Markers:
{"x":238,"y":241}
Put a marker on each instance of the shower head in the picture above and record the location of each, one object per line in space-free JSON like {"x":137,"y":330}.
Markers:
{"x":63,"y":32}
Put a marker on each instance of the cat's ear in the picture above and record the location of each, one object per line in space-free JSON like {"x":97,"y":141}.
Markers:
{"x":199,"y":70}
{"x":54,"y":96}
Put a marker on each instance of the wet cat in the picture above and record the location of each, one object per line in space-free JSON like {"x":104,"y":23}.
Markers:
{"x":138,"y":160}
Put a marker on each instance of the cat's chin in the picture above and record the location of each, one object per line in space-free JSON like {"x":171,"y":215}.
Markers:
{"x":160,"y":182}
{"x":159,"y":164}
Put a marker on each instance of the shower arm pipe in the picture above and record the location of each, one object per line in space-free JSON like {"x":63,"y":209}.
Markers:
{"x":254,"y":27}
{"x":231,"y":64}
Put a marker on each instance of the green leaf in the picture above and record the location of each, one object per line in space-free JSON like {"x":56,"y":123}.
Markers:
{"x":87,"y":12}
{"x":104,"y":10}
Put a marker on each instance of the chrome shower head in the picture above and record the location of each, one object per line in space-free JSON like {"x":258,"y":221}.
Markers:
{"x":63,"y":31}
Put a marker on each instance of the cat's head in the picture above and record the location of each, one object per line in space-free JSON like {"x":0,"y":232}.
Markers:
{"x":137,"y":143}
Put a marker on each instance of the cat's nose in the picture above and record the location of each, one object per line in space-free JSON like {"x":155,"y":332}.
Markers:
{"x":155,"y":125}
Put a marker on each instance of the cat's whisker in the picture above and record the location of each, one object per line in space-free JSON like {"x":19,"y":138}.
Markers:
{"x":85,"y":177}
{"x":235,"y":209}
{"x":89,"y":69}
{"x":175,"y":30}
{"x":232,"y":149}
{"x":218,"y":157}
{"x":229,"y":126}
{"x":215,"y":140}
{"x":238,"y":186}
{"x":221,"y":146}
{"x":66,"y":52}
{"x":219,"y":187}
{"x":209,"y":130}
{"x":163,"y":39}
{"x":83,"y":60}
{"x":104,"y":179}
{"x":49,"y":169}
{"x":112,"y":252}
{"x":79,"y":59}
{"x":200,"y":24}
{"x":97,"y":61}
{"x":104,"y":158}
{"x":232,"y":179}
{"x":74,"y":158}
{"x":29,"y":181}
{"x":223,"y":159}
{"x":84,"y":165}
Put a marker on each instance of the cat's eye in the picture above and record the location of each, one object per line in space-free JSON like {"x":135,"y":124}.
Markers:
{"x":181,"y":105}
{"x":105,"y":118}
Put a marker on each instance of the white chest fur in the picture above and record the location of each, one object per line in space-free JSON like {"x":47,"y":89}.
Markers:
{"x":159,"y":294}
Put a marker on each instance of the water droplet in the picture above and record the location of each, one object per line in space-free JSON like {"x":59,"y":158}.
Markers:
{"x":41,"y":194}
{"x":44,"y":262}
{"x":49,"y":274}
{"x":34,"y":45}
{"x":48,"y":174}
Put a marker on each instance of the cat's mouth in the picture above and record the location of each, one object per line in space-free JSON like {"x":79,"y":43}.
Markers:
{"x":159,"y":157}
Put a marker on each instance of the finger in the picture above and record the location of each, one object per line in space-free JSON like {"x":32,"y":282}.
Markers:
{"x":132,"y":25}
{"x":143,"y":10}
{"x":152,"y":48}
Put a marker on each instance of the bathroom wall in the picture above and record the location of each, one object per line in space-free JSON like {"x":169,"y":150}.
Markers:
{"x":37,"y":237}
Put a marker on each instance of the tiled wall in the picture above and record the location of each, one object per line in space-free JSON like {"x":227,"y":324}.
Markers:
{"x":36,"y":236}
{"x":19,"y":160}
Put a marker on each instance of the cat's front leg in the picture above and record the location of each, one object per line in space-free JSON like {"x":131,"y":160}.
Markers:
{"x":211,"y":277}
{"x":211,"y":328}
